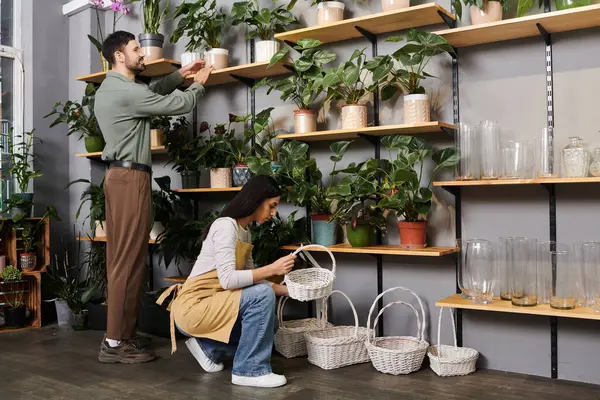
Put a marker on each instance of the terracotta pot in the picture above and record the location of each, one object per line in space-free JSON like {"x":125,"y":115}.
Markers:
{"x":491,"y":12}
{"x":217,"y":58}
{"x":100,"y":229}
{"x":416,"y":108}
{"x":329,"y":12}
{"x":28,"y":261}
{"x":220,"y":178}
{"x":413,"y":234}
{"x":305,"y":121}
{"x":354,"y":116}
{"x":152,"y":45}
{"x":390,"y":5}
{"x":266,"y":49}
{"x":157,"y":137}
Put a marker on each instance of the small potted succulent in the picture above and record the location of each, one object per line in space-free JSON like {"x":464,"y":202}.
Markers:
{"x":263,"y":24}
{"x":403,"y":191}
{"x":347,"y":83}
{"x":12,"y":288}
{"x":158,"y":128}
{"x":80,"y":118}
{"x":305,"y":84}
{"x":414,"y":56}
{"x":151,"y":41}
{"x":329,"y":11}
{"x":205,"y":27}
{"x":183,"y":151}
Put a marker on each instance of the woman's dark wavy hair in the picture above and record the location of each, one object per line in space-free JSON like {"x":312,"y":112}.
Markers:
{"x":252,"y":195}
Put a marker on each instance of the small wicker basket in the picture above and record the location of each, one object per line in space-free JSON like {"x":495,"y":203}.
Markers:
{"x":311,"y":283}
{"x":447,"y":360}
{"x":289,"y":339}
{"x":397,"y":355}
{"x":337,"y":346}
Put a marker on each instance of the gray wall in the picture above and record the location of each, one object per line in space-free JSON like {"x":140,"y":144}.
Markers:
{"x":503,"y":82}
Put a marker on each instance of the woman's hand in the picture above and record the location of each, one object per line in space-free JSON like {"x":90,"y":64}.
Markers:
{"x":280,"y":290}
{"x":283,"y":266}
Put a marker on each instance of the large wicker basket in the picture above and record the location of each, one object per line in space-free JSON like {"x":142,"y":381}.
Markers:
{"x":337,"y":346}
{"x":397,"y":355}
{"x":447,"y":360}
{"x":311,"y":283}
{"x":289,"y":339}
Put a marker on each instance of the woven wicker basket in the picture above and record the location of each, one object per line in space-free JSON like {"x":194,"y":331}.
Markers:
{"x":338,"y":346}
{"x":451,"y":360}
{"x":397,"y":355}
{"x":289,"y":339}
{"x":311,"y":283}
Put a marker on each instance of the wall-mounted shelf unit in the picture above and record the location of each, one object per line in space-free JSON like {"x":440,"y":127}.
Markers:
{"x":498,"y":305}
{"x":97,"y":155}
{"x":391,"y":21}
{"x":504,"y":182}
{"x":155,"y":68}
{"x":384,"y":250}
{"x":208,"y":190}
{"x":516,"y":28}
{"x":103,"y":240}
{"x":245,"y":73}
{"x":372,"y":131}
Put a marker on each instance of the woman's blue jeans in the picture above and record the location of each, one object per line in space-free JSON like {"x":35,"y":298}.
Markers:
{"x":251,"y":341}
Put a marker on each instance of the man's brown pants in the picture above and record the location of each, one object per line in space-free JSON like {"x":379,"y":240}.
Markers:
{"x":128,"y":195}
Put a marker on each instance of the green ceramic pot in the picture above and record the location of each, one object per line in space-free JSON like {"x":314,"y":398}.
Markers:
{"x":94,"y":144}
{"x":360,"y":236}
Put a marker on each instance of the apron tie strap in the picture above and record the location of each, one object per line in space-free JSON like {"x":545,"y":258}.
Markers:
{"x":172,"y":290}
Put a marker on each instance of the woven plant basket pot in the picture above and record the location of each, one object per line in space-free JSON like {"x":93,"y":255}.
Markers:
{"x":311,"y":283}
{"x":289,"y":339}
{"x":447,"y":360}
{"x":397,"y":355}
{"x":337,"y":346}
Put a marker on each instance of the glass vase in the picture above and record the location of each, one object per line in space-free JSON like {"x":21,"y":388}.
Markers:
{"x":587,"y":260}
{"x":546,"y":165}
{"x":563,"y":285}
{"x":595,"y":164}
{"x":490,"y":150}
{"x":522,"y":261}
{"x":481,"y":273}
{"x":575,"y":158}
{"x":466,"y":141}
{"x":544,"y":269}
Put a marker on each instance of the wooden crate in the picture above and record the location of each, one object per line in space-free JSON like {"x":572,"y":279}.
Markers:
{"x":13,"y":245}
{"x":32,"y":297}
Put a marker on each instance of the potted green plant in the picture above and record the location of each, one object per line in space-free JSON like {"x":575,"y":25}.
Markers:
{"x":267,"y":145}
{"x":329,"y":12}
{"x":390,"y":5}
{"x":523,"y":6}
{"x":165,"y":205}
{"x":80,"y":118}
{"x":484,"y":11}
{"x":158,"y":128}
{"x":94,"y":194}
{"x":403,"y":190}
{"x":183,"y":151}
{"x":21,"y":168}
{"x":28,"y":233}
{"x":305,"y":84}
{"x":414,"y":56}
{"x":154,"y":15}
{"x":12,"y":290}
{"x":94,"y":262}
{"x":205,"y":27}
{"x":263,"y":23}
{"x":348,"y":83}
{"x":240,"y":148}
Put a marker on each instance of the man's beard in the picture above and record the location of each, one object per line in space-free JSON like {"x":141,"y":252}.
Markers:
{"x":136,"y":66}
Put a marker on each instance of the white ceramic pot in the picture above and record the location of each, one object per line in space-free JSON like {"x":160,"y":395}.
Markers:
{"x":157,"y":137}
{"x":190,"y":56}
{"x":390,"y":5}
{"x":416,"y":108}
{"x":100,"y":230}
{"x":354,"y":116}
{"x":305,"y":121}
{"x":266,"y":49}
{"x":491,"y":12}
{"x":221,"y":178}
{"x":329,"y":12}
{"x":157,"y":229}
{"x":217,"y":58}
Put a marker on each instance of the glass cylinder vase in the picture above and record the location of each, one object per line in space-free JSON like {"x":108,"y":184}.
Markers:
{"x":564,"y":291}
{"x":545,"y":254}
{"x":480,"y":270}
{"x":546,"y":165}
{"x":575,"y":158}
{"x":586,"y":260}
{"x":490,"y":150}
{"x":523,"y":271}
{"x":466,"y":141}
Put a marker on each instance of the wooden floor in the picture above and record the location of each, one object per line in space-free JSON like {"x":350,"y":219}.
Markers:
{"x":55,"y":364}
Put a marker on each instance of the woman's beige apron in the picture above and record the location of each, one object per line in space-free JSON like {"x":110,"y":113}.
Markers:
{"x":201,"y":307}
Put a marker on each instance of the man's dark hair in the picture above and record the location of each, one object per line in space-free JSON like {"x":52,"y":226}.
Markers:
{"x":115,"y":42}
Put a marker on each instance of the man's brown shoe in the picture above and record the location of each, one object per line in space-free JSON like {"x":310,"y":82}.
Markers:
{"x":141,"y":341}
{"x":125,"y":353}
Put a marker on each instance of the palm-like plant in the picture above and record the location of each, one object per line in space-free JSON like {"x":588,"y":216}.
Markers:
{"x":154,"y":15}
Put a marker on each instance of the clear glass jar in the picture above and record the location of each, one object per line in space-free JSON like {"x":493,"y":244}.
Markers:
{"x":575,"y":159}
{"x":595,"y":165}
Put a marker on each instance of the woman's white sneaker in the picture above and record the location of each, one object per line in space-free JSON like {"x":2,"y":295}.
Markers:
{"x":265,"y":381}
{"x":201,"y":357}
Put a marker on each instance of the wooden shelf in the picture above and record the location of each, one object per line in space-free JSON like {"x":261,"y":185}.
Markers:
{"x":209,"y":190}
{"x":155,"y":150}
{"x":158,"y":67}
{"x":391,"y":21}
{"x":506,"y":306}
{"x":254,"y":71}
{"x":103,"y":240}
{"x":348,"y":134}
{"x":516,"y":28}
{"x":502,"y":182}
{"x":385,"y":250}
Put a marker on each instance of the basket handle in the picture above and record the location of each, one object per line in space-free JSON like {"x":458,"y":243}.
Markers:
{"x":388,"y":306}
{"x":351,"y":305}
{"x":440,"y":325}
{"x":316,"y":246}
{"x":322,"y":318}
{"x":420,"y":334}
